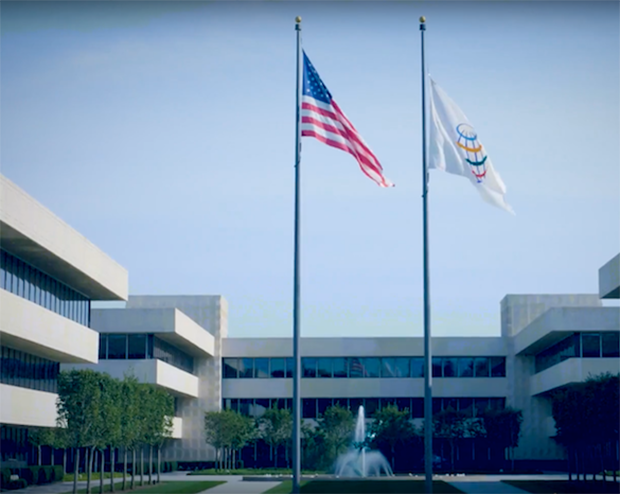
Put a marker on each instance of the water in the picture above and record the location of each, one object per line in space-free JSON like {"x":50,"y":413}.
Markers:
{"x":360,"y":461}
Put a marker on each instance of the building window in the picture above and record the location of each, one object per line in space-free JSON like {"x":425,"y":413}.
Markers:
{"x":323,"y":404}
{"x":436,"y":366}
{"x":610,"y":343}
{"x":308,"y":408}
{"x":117,"y":346}
{"x":498,"y":366}
{"x":261,"y":368}
{"x":395,"y":367}
{"x":26,"y":281}
{"x":590,"y":345}
{"x":246,"y":368}
{"x":417,"y":367}
{"x":103,"y":346}
{"x":137,"y":346}
{"x":567,"y":348}
{"x":277,"y":367}
{"x":308,"y":367}
{"x":450,"y":367}
{"x":339,"y":366}
{"x":22,"y":369}
{"x":466,"y":367}
{"x":481,"y":367}
{"x":230,"y":367}
{"x":324,"y":368}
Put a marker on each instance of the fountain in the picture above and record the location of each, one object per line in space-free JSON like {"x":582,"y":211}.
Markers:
{"x":361,"y":461}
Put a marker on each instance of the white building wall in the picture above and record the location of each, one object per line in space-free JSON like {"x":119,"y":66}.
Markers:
{"x":210,"y":312}
{"x":27,"y":407}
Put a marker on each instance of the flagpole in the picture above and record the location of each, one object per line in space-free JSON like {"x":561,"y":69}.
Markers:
{"x":428,"y":370}
{"x":296,"y":356}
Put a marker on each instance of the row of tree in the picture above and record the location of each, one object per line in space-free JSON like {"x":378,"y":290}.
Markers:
{"x":97,"y":413}
{"x":229,"y":431}
{"x":587,"y":421}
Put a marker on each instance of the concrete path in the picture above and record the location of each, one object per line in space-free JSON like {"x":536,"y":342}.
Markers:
{"x":486,"y":488}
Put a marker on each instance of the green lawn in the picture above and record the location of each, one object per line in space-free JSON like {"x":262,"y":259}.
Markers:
{"x":252,"y":471}
{"x":175,"y":487}
{"x":364,"y":487}
{"x":95,"y":475}
{"x":564,"y":486}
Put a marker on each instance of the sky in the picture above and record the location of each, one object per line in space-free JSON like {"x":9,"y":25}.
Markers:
{"x":165,"y":134}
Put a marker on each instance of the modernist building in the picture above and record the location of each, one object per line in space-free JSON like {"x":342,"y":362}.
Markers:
{"x":546,"y":342}
{"x":49,"y":274}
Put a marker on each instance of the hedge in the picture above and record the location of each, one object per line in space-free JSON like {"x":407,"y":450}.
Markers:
{"x":30,"y":476}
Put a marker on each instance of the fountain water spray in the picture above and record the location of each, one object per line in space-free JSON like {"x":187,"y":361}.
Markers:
{"x":360,"y":461}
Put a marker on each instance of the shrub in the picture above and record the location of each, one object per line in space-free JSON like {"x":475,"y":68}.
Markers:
{"x":27,"y":475}
{"x":5,"y":476}
{"x":58,"y":472}
{"x":17,"y":484}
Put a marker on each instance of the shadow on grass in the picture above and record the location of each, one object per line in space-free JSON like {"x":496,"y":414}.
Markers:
{"x":364,"y":487}
{"x":176,"y":487}
{"x":565,"y":487}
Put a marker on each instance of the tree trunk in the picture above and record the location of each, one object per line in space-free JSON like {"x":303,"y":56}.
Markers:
{"x":91,"y":454}
{"x":275,"y":454}
{"x":76,"y":469}
{"x":124,"y":468}
{"x":101,"y":470}
{"x":150,"y":464}
{"x":64,"y":462}
{"x":392,"y":457}
{"x":158,"y":463}
{"x":52,"y":456}
{"x":569,"y":464}
{"x":112,"y":464}
{"x":142,"y":465}
{"x":512,"y":457}
{"x":133,"y":467}
{"x":39,"y":454}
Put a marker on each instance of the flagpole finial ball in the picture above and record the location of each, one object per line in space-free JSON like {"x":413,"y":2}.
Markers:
{"x":298,"y":19}
{"x":422,"y":19}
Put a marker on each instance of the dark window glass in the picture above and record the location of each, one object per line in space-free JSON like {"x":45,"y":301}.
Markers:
{"x":289,"y":403}
{"x":395,"y":367}
{"x":279,"y":403}
{"x":341,"y":402}
{"x":417,"y":408}
{"x":308,"y":408}
{"x":27,"y":282}
{"x":404,"y":403}
{"x":466,"y":405}
{"x":2,"y":271}
{"x":20,"y":279}
{"x":117,"y":346}
{"x":261,"y":368}
{"x":308,"y":367}
{"x":417,"y":367}
{"x":324,"y":368}
{"x":339,"y":366}
{"x":466,"y":367}
{"x":567,"y":348}
{"x":371,"y":405}
{"x":497,"y":403}
{"x":372,"y":366}
{"x":164,"y":351}
{"x":277,"y":367}
{"x":260,"y":406}
{"x":230,"y":368}
{"x":436,"y":405}
{"x":356,"y":368}
{"x":498,"y":367}
{"x":436,"y":364}
{"x":611,"y":344}
{"x":481,"y":405}
{"x":28,"y":371}
{"x":36,"y":283}
{"x":386,"y":402}
{"x":246,"y":368}
{"x":450,"y":403}
{"x":355,"y":404}
{"x":323,"y":404}
{"x":137,"y":346}
{"x":149,"y":346}
{"x":103,"y":342}
{"x":481,"y":367}
{"x":591,"y":345}
{"x":450,"y":367}
{"x":246,"y":406}
{"x":290,"y":367}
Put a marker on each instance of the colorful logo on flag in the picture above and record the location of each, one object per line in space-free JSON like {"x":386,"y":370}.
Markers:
{"x":474,"y":153}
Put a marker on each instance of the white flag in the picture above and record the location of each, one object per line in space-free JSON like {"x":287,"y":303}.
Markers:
{"x":454,"y":147}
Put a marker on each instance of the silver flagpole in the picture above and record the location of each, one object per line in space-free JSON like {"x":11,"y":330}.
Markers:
{"x":428,"y":370}
{"x":296,"y":356}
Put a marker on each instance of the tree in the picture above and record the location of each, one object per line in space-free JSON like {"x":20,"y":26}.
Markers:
{"x":313,"y":448}
{"x":503,"y":427}
{"x":453,"y":426}
{"x":128,"y":399}
{"x":392,"y":426}
{"x":160,"y":410}
{"x":218,"y":431}
{"x":336,"y":424}
{"x":79,"y":397}
{"x":276,"y":428}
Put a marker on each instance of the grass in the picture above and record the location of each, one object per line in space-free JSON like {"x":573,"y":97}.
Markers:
{"x":175,"y":487}
{"x":364,"y":487}
{"x":252,"y":471}
{"x":564,"y":486}
{"x":93,"y":476}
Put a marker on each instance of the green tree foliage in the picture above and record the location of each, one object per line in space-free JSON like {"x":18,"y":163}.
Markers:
{"x":276,"y":428}
{"x":453,"y":426}
{"x":503,"y":427}
{"x":391,"y":426}
{"x":96,"y":411}
{"x":336,"y":426}
{"x":313,"y":448}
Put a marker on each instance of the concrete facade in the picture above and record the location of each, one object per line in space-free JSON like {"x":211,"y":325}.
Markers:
{"x":49,"y":275}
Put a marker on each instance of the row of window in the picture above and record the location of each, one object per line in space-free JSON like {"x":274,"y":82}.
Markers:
{"x":28,"y":371}
{"x":580,"y":345}
{"x":26,"y":281}
{"x":122,"y":346}
{"x":364,"y":367}
{"x":312,"y":408}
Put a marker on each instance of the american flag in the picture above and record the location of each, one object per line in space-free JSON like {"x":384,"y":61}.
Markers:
{"x":323,"y":119}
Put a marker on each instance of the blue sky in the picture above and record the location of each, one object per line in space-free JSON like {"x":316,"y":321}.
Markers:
{"x":165,"y":134}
